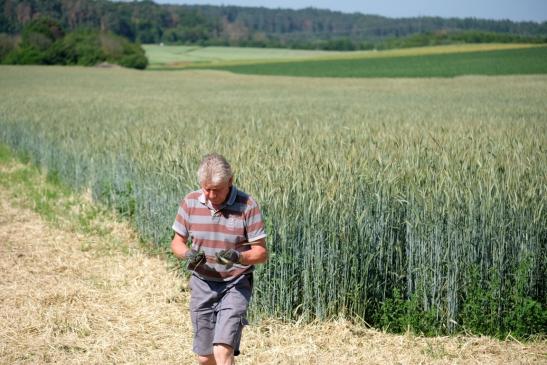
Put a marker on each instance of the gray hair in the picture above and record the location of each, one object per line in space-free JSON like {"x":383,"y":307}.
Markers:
{"x":214,"y":169}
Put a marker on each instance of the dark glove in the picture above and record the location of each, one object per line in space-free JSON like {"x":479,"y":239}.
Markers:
{"x":194,"y":257}
{"x":228,"y":257}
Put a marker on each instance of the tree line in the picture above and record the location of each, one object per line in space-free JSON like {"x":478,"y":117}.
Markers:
{"x":310,"y":28}
{"x":43,"y":41}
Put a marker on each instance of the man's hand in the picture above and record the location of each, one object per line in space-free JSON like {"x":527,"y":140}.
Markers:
{"x":228,"y":257}
{"x":194,"y":257}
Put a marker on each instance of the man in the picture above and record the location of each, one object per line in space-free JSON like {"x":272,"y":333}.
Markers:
{"x":226,"y":231}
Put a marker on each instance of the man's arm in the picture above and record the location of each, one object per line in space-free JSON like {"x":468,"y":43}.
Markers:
{"x":258,"y":254}
{"x":178,"y":246}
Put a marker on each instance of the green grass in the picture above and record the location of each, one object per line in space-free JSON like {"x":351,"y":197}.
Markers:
{"x":422,"y":197}
{"x":5,"y":154}
{"x":46,"y":194}
{"x":503,"y":62}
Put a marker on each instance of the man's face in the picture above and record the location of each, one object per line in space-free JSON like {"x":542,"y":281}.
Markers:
{"x":216,"y":193}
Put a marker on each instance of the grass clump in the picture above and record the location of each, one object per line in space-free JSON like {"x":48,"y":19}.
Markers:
{"x":49,"y":196}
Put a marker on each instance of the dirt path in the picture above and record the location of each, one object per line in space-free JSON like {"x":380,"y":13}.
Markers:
{"x":68,"y":298}
{"x":71,"y":298}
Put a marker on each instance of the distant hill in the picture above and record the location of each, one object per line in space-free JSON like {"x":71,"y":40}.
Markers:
{"x":148,"y":22}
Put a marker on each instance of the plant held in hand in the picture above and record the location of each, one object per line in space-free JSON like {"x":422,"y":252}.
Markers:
{"x":228,"y":257}
{"x":194,"y":257}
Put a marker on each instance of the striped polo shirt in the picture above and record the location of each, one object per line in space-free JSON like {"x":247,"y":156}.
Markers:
{"x":237,"y":221}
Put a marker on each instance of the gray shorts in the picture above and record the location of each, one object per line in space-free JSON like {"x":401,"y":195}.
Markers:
{"x":218,"y":311}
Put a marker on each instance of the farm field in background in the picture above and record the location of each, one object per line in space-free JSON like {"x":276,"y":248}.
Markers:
{"x":403,"y":202}
{"x":525,"y":61}
{"x":177,"y":57}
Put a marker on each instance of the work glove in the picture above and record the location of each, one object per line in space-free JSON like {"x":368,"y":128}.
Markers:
{"x":194,"y":257}
{"x":228,"y":257}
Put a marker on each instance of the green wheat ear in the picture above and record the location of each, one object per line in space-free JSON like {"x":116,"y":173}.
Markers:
{"x":223,"y":260}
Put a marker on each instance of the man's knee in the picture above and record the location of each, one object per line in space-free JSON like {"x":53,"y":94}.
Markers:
{"x":224,"y":354}
{"x":206,"y":360}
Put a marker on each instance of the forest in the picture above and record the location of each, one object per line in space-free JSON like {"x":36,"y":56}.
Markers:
{"x":146,"y":22}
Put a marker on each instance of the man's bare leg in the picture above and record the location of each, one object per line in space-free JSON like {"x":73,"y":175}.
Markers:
{"x":207,"y":360}
{"x":224,"y":354}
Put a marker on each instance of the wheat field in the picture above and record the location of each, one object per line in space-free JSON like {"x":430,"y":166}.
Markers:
{"x":396,"y":202}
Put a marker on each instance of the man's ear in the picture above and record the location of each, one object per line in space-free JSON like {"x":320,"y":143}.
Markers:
{"x":230,"y":182}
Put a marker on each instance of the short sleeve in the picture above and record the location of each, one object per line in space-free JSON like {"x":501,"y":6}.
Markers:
{"x":181,"y":220}
{"x":253,"y":222}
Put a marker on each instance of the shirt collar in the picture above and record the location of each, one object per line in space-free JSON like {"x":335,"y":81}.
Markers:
{"x":231,"y":197}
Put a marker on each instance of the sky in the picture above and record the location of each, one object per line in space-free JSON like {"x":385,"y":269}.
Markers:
{"x":516,"y":10}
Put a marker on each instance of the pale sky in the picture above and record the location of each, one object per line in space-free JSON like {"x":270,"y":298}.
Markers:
{"x":516,"y":10}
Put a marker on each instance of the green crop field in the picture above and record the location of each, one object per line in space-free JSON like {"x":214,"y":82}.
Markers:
{"x":176,"y":57}
{"x":496,"y":62}
{"x":439,"y":61}
{"x":414,"y":203}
